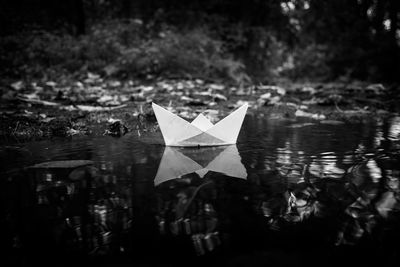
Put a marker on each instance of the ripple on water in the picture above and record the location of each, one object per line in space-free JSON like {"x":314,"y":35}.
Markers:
{"x":340,"y":175}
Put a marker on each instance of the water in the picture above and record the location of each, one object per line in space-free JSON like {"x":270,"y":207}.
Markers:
{"x":289,"y":193}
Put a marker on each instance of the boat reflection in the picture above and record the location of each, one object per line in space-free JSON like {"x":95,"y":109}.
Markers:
{"x":177,"y":162}
{"x":187,"y":206}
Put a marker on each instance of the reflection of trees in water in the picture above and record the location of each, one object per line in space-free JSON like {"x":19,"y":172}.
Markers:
{"x":186,"y":208}
{"x":359,"y":202}
{"x":343,"y":177}
{"x":81,"y":210}
{"x":348,"y":183}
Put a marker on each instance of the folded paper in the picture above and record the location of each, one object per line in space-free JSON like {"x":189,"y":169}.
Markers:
{"x":177,"y":162}
{"x":200,"y":132}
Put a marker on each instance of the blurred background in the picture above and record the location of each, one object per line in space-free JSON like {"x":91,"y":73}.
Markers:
{"x":237,"y":40}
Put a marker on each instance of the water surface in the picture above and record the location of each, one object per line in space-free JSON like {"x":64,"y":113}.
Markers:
{"x":289,"y":193}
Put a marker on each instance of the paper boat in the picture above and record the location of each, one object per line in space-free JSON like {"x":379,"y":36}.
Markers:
{"x":177,"y":162}
{"x":200,"y":132}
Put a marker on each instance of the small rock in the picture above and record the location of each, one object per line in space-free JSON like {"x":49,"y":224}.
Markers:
{"x":59,"y":126}
{"x":116,"y":128}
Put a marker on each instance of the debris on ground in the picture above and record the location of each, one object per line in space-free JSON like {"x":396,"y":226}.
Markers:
{"x":116,"y":128}
{"x":32,"y":109}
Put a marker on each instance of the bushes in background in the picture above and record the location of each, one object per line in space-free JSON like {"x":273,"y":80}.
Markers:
{"x":117,"y":48}
{"x":134,"y":49}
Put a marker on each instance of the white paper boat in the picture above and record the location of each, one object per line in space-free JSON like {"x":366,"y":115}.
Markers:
{"x":177,"y":162}
{"x":200,"y":132}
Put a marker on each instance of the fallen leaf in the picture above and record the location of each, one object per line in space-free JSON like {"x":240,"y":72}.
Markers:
{"x":375,"y":89}
{"x":18,"y":85}
{"x":265,"y":96}
{"x":300,"y":125}
{"x":91,"y":108}
{"x":72,"y":131}
{"x":114,"y":83}
{"x":217,"y":86}
{"x":220,"y":97}
{"x":39,"y":102}
{"x":275,"y":88}
{"x":198,"y":81}
{"x":62,"y":164}
{"x":105,"y":98}
{"x":301,"y":113}
{"x":51,"y":84}
{"x":308,"y":89}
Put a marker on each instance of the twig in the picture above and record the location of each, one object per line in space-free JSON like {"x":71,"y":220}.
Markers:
{"x":16,"y":128}
{"x":192,"y":197}
{"x":337,"y":107}
{"x":38,"y":101}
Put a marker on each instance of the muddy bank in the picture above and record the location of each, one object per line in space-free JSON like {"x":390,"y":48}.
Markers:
{"x":93,"y":106}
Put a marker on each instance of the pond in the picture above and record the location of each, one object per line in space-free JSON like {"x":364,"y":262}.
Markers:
{"x":289,"y":193}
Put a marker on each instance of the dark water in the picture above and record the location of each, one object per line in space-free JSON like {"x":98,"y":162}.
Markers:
{"x":288,"y":194}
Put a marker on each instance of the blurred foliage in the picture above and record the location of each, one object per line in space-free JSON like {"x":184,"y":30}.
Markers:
{"x":266,"y":40}
{"x":311,"y":60}
{"x":119,"y":48}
